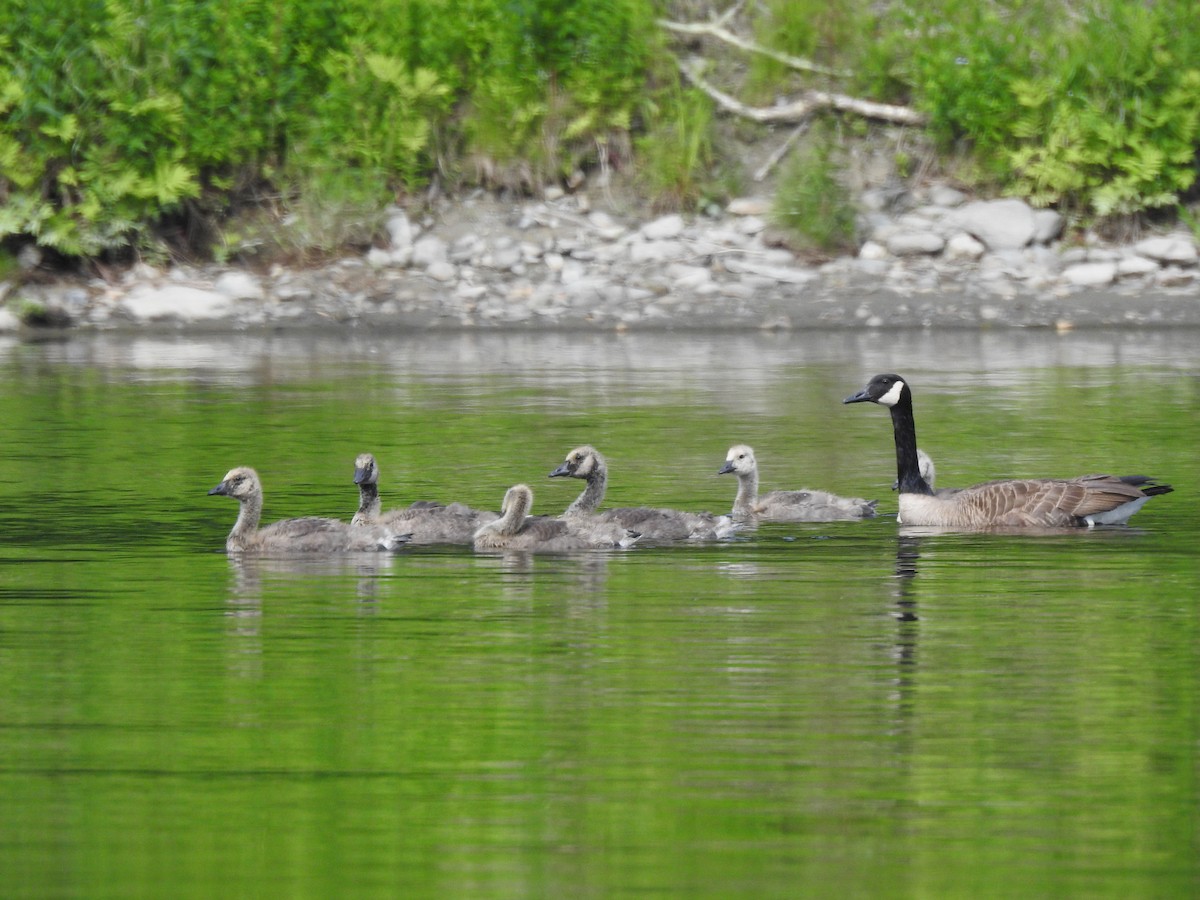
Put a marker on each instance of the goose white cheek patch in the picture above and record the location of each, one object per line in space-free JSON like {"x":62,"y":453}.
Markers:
{"x":892,"y":397}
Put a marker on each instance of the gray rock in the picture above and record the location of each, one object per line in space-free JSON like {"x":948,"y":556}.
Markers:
{"x":1047,"y":225}
{"x":186,"y":304}
{"x":749,"y":206}
{"x":1090,"y":274}
{"x":657,"y":251}
{"x":1170,"y":249}
{"x":872,"y":250}
{"x":428,"y":250}
{"x":401,"y":230}
{"x":915,"y":243}
{"x":1000,"y":224}
{"x":664,"y":228}
{"x":1133,"y":266}
{"x":378,"y":258}
{"x":944,"y":195}
{"x":963,"y":246}
{"x":238,"y":286}
{"x":442,"y":270}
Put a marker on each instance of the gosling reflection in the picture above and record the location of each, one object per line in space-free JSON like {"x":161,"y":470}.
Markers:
{"x":251,"y":573}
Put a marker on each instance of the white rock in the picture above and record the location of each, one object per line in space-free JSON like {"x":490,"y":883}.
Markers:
{"x":688,"y":277}
{"x":657,"y":251}
{"x":663,"y":229}
{"x":915,"y":243}
{"x":781,"y":274}
{"x":441,"y":270}
{"x":1169,"y":249}
{"x":428,"y":250}
{"x":963,"y":246}
{"x":401,"y":230}
{"x":944,"y":195}
{"x":1132,"y":266}
{"x":1047,"y":225}
{"x":751,"y":225}
{"x":553,"y":261}
{"x":238,"y":286}
{"x":749,"y":206}
{"x":175,"y":301}
{"x":378,"y":258}
{"x":1090,"y":274}
{"x":872,"y":250}
{"x":1174,"y":275}
{"x":8,"y":321}
{"x":1000,"y":224}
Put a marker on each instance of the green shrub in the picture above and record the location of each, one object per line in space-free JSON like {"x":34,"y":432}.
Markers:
{"x":675,"y":156}
{"x":810,"y":199}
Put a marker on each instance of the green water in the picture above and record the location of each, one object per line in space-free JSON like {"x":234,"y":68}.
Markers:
{"x":811,"y":710}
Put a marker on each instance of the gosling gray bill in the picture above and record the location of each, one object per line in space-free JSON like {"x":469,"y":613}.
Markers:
{"x":786,"y":506}
{"x":310,"y":534}
{"x":653,"y":523}
{"x":427,"y":522}
{"x":1087,"y":500}
{"x":517,"y":530}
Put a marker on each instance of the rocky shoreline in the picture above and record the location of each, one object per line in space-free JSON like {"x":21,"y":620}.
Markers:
{"x":931,"y":259}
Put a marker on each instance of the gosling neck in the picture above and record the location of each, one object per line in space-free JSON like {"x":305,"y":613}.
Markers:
{"x":593,"y":495}
{"x":249,"y":513}
{"x":747,"y":492}
{"x":369,"y":504}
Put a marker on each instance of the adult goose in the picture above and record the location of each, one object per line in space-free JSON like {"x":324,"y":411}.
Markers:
{"x":1046,"y":502}
{"x":517,"y":530}
{"x":427,"y":522}
{"x":786,"y":506}
{"x":310,"y":534}
{"x":652,"y":523}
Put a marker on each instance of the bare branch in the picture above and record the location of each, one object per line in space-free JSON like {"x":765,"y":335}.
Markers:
{"x":718,"y":31}
{"x":810,"y":102}
{"x":781,"y":151}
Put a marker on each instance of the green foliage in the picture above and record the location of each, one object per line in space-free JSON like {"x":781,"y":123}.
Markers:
{"x":1098,"y":112}
{"x":676,"y":154}
{"x":118,"y":116}
{"x":811,"y":201}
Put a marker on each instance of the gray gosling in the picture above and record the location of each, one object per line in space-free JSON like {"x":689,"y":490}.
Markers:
{"x":427,"y":522}
{"x":517,"y":530}
{"x":310,"y":534}
{"x":1032,"y":502}
{"x":653,"y":523}
{"x":786,"y":506}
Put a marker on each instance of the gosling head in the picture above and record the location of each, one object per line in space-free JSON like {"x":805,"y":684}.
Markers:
{"x":366,"y":471}
{"x":739,"y":460}
{"x":241,"y":483}
{"x":581,"y":462}
{"x":886,"y":390}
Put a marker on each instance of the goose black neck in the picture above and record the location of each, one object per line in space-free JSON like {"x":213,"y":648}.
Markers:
{"x":904,"y":426}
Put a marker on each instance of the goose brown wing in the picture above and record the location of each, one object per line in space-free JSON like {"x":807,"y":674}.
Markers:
{"x":1049,"y":502}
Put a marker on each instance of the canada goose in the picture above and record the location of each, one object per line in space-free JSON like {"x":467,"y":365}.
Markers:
{"x":1048,"y":502}
{"x":786,"y":506}
{"x":517,"y":530}
{"x":310,"y":534}
{"x":427,"y":522}
{"x":652,"y":523}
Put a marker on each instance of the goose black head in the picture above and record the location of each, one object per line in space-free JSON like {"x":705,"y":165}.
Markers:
{"x":886,"y":390}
